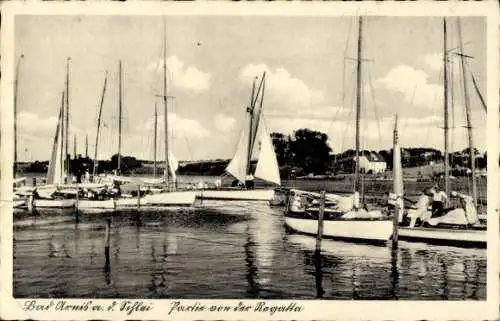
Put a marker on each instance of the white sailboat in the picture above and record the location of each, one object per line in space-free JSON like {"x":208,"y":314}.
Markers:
{"x":340,"y":221}
{"x":170,"y":196}
{"x":343,"y":218}
{"x":458,"y":226}
{"x":19,"y":197}
{"x":254,"y":139}
{"x":45,"y":196}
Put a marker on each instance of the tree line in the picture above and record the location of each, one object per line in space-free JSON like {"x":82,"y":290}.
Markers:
{"x":304,"y":152}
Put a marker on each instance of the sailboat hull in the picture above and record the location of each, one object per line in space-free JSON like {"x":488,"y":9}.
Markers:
{"x":96,"y":204}
{"x":372,"y":231}
{"x":130,"y":202}
{"x":444,"y":236}
{"x":237,"y":195}
{"x":56,"y":203}
{"x":184,"y":198}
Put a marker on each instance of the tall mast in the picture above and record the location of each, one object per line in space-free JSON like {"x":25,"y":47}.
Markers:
{"x":358,"y":104}
{"x":66,"y":152}
{"x":61,"y":156}
{"x":99,"y":124}
{"x":165,"y":105}
{"x":15,"y":113}
{"x":86,"y":145}
{"x":250,"y":129}
{"x":155,"y":140}
{"x":74,"y":146}
{"x":446,"y":122}
{"x":119,"y":117}
{"x":468,"y":115}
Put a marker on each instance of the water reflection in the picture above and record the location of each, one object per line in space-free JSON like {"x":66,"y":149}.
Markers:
{"x":193,"y":255}
{"x":318,"y":274}
{"x":251,"y":275}
{"x":441,"y":274}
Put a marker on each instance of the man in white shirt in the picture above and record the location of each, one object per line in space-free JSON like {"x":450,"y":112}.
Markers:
{"x":438,"y":200}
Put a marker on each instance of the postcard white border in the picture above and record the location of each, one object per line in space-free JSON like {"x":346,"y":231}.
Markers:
{"x":314,"y":309}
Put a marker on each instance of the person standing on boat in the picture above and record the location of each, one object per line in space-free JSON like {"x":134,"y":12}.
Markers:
{"x":439,"y":198}
{"x":420,"y":210}
{"x":467,"y":204}
{"x":87,"y":176}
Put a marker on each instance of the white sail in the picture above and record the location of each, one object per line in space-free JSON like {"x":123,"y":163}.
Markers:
{"x":238,"y":164}
{"x":397,"y":167}
{"x":397,"y":171}
{"x":55,"y":173}
{"x":173,"y":164}
{"x":267,"y":164}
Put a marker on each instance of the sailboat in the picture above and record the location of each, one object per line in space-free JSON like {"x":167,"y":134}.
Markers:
{"x":170,"y":196}
{"x":46,"y":196}
{"x":343,"y":217}
{"x":456,"y":226}
{"x":19,"y":184}
{"x":254,"y":138}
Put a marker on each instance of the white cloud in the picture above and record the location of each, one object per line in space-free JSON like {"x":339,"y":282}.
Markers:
{"x":33,"y":123}
{"x":414,"y":86}
{"x":283,"y":91}
{"x":184,"y":77}
{"x":224,"y":123}
{"x":190,"y":128}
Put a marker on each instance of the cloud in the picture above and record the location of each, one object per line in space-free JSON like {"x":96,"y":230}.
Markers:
{"x":28,"y":122}
{"x":414,"y":86}
{"x":324,"y":113}
{"x":190,"y":128}
{"x":224,"y":123}
{"x":184,"y":77}
{"x":283,"y":91}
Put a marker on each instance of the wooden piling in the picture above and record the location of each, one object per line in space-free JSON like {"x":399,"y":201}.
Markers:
{"x":321,"y":213}
{"x":31,"y":202}
{"x":107,"y":237}
{"x":76,"y":205}
{"x":34,"y":181}
{"x":138,"y":197}
{"x":395,"y":223}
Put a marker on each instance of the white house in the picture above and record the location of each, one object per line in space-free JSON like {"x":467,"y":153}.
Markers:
{"x":372,"y":162}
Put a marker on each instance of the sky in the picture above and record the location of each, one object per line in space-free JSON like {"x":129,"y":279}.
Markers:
{"x":310,"y":63}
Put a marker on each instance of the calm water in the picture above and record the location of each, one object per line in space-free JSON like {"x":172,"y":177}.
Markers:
{"x":241,"y":252}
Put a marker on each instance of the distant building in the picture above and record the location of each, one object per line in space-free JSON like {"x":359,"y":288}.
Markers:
{"x":371,"y":162}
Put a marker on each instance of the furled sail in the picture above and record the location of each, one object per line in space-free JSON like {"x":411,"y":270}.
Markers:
{"x":397,"y":170}
{"x":267,"y":164}
{"x":55,"y":173}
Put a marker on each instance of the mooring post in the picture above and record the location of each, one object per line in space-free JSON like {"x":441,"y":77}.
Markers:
{"x":31,"y":202}
{"x":321,"y":213}
{"x":76,"y":205}
{"x":106,"y":241}
{"x":395,"y":222}
{"x":34,"y":181}
{"x":138,"y":197}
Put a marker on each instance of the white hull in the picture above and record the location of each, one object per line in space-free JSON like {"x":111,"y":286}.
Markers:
{"x":442,"y":235}
{"x":96,"y":204}
{"x":237,"y":195}
{"x":361,"y":230}
{"x":130,"y":202}
{"x":62,"y":203}
{"x":184,"y":198}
